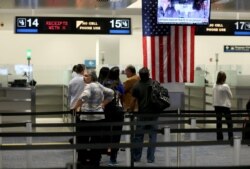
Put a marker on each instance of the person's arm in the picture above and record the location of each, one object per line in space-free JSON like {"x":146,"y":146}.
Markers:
{"x":78,"y":105}
{"x":230,"y":95}
{"x":108,"y":95}
{"x":132,"y":104}
{"x":133,"y":101}
{"x":84,"y":97}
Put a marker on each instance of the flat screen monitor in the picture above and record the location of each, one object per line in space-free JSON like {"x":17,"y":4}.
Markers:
{"x":183,"y":12}
{"x":22,"y":69}
{"x":3,"y":71}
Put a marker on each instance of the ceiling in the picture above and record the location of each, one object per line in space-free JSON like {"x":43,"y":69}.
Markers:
{"x":55,"y":5}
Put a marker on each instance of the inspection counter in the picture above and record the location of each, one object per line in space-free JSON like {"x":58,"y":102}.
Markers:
{"x":17,"y":99}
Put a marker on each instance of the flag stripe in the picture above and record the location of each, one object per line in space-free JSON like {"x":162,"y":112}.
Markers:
{"x":185,"y":55}
{"x":165,"y":60}
{"x":161,"y":47}
{"x":145,"y":53}
{"x":157,"y":59}
{"x":192,"y":34}
{"x":153,"y":57}
{"x":169,"y":67}
{"x":180,"y":47}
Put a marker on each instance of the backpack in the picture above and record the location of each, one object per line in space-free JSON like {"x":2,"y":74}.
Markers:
{"x":113,"y":109}
{"x":159,"y":97}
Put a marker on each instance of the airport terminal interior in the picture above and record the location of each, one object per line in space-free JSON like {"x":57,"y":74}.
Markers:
{"x":36,"y":67}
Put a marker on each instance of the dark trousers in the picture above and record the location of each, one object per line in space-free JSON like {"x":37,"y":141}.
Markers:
{"x":115,"y":117}
{"x":115,"y":139}
{"x":90,"y":157}
{"x":219,"y":110}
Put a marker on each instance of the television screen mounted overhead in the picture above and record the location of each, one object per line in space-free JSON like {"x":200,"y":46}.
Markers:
{"x":183,"y":12}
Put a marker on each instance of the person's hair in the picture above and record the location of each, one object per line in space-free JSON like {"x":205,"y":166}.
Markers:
{"x":103,"y":74}
{"x":79,"y":68}
{"x":74,"y":68}
{"x":114,"y":73}
{"x":131,"y":68}
{"x":93,"y":75}
{"x":197,"y":4}
{"x":144,"y":74}
{"x":221,"y":78}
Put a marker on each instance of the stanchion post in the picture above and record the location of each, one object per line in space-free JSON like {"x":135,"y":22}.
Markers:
{"x":178,"y":139}
{"x":167,"y":152}
{"x":28,"y":142}
{"x":127,"y":140}
{"x":1,"y":142}
{"x":74,"y":138}
{"x":193,"y":138}
{"x":236,"y":150}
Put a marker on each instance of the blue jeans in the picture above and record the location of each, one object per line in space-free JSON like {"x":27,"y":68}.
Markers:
{"x":137,"y":152}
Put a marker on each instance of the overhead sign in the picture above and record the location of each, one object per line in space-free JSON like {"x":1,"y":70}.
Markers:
{"x":236,"y":48}
{"x":72,"y":25}
{"x":225,"y":28}
{"x":90,"y":63}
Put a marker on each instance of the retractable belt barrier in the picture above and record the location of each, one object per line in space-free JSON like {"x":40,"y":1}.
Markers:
{"x":166,"y":143}
{"x":156,"y":167}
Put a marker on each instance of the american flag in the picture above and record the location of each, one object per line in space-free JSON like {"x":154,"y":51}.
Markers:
{"x":168,"y":51}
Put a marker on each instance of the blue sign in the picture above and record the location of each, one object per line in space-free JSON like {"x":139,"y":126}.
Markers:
{"x":90,"y":64}
{"x":236,"y":48}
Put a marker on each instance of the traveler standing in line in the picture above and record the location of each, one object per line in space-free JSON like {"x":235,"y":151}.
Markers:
{"x":114,"y":110}
{"x":73,"y":72}
{"x":141,"y":92}
{"x":103,"y":74}
{"x":246,"y":124}
{"x":222,"y":104}
{"x":93,"y":99}
{"x":128,"y":84}
{"x":76,"y":86}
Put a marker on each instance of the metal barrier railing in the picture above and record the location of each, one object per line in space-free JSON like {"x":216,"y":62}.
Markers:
{"x":128,"y":132}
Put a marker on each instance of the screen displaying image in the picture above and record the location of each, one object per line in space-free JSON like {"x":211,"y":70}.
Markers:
{"x":183,"y":12}
{"x":3,"y":71}
{"x":22,"y":69}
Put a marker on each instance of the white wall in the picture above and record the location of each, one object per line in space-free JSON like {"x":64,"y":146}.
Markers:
{"x":207,"y":46}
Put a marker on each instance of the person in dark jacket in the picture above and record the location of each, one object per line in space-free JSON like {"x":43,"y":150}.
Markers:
{"x":114,"y":110}
{"x":246,"y":124}
{"x":140,"y":95}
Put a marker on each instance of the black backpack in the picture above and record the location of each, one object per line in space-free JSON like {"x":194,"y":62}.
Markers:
{"x":113,"y":110}
{"x":158,"y":96}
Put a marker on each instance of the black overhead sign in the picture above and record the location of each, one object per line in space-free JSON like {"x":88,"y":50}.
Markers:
{"x":225,"y":28}
{"x":236,"y":48}
{"x":72,"y":25}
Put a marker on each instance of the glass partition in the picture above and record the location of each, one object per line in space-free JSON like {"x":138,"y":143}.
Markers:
{"x":17,"y":75}
{"x":237,"y":75}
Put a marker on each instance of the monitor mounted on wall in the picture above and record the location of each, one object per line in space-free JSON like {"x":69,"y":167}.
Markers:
{"x":183,"y":12}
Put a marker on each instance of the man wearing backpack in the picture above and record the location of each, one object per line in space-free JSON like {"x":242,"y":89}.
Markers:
{"x":141,"y":94}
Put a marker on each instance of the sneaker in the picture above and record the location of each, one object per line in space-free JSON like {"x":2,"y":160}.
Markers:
{"x":71,"y":140}
{"x":112,"y":163}
{"x":150,"y":161}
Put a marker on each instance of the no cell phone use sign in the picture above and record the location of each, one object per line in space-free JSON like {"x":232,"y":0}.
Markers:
{"x":236,"y":48}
